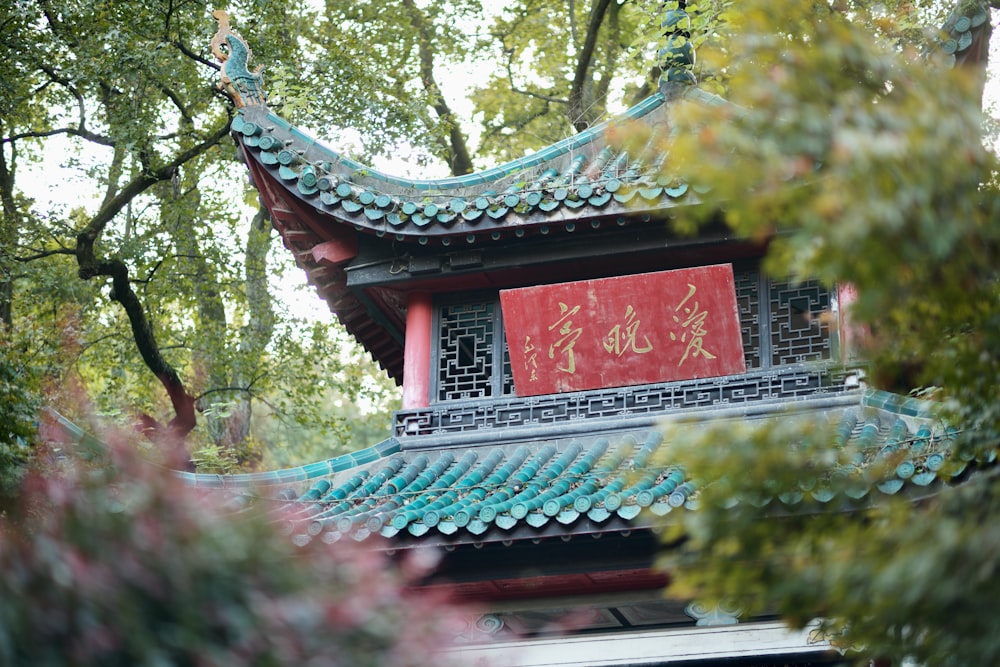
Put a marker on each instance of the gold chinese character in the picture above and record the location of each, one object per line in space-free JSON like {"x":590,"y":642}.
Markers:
{"x":568,"y":335}
{"x":531,"y":359}
{"x":694,"y":324}
{"x":619,"y":341}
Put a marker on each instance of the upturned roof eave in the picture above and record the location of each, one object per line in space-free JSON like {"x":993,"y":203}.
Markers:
{"x":606,"y":481}
{"x":582,"y":179}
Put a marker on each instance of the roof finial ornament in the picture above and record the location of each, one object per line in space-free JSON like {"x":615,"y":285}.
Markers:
{"x":244,"y":87}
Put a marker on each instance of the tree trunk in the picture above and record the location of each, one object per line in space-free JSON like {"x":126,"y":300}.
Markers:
{"x":171,"y":435}
{"x":9,"y":215}
{"x":257,"y":333}
{"x":581,"y":105}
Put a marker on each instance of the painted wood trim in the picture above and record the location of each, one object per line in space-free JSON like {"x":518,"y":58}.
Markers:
{"x":656,"y":647}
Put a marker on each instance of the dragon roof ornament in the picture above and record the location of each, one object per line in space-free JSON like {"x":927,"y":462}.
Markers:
{"x":244,"y":87}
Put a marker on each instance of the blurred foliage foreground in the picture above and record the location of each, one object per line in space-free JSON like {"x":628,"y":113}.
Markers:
{"x":116,"y":561}
{"x":864,"y":160}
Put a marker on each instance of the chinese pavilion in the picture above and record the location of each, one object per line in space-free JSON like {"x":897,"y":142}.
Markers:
{"x":543,"y":321}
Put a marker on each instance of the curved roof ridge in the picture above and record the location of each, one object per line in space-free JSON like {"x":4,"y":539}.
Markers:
{"x":302,"y":473}
{"x":491,"y":174}
{"x":576,"y":177}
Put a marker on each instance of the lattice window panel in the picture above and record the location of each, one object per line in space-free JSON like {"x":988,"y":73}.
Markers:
{"x":466,"y":351}
{"x":507,"y":388}
{"x":797,"y":332}
{"x":748,"y":304}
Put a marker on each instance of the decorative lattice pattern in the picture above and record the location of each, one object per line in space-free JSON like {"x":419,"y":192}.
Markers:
{"x":748,"y":303}
{"x":784,"y":329}
{"x":465,"y":351}
{"x":797,"y":331}
{"x":623,"y":402}
{"x":508,"y":375}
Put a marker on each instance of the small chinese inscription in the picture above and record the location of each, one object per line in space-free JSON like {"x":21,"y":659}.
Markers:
{"x":530,"y":359}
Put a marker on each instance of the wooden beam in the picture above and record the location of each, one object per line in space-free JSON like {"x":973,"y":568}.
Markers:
{"x":653,"y":647}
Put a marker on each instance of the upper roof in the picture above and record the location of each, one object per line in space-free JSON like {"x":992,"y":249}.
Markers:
{"x":581,"y":177}
{"x":323,"y":202}
{"x":576,"y":179}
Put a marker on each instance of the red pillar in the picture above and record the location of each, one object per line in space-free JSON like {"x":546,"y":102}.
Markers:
{"x":417,"y":351}
{"x":854,"y":341}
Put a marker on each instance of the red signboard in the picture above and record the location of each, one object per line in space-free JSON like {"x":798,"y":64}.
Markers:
{"x":613,"y":332}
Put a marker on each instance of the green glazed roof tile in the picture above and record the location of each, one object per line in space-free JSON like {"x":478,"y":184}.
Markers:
{"x":595,"y":477}
{"x":577,"y":483}
{"x":581,"y":171}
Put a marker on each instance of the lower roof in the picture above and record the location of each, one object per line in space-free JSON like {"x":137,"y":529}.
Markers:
{"x":611,"y":480}
{"x":600,"y":482}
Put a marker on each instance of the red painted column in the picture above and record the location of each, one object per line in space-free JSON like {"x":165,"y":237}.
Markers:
{"x":417,"y":351}
{"x":853,"y":337}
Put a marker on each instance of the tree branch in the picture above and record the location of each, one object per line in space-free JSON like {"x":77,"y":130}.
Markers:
{"x":142,"y":332}
{"x":522,"y":91}
{"x":457,"y":153}
{"x":111,"y":207}
{"x":81,"y":129}
{"x":583,"y":61}
{"x":194,"y":56}
{"x":242,"y":389}
{"x":72,"y":131}
{"x":173,"y":97}
{"x":42,"y":254}
{"x":520,"y":124}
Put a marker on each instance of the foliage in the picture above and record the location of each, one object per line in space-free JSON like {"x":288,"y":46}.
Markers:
{"x":118,"y":562}
{"x":560,"y":67}
{"x":355,"y":414}
{"x":413,"y":42}
{"x":31,"y":368}
{"x":114,"y":100}
{"x":20,"y":397}
{"x":862,"y":160}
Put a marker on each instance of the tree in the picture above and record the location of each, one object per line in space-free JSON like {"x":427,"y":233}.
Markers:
{"x":557,"y":64}
{"x":558,"y":67}
{"x":20,"y":399}
{"x":862,"y":158}
{"x":562,"y":67}
{"x":108,"y":561}
{"x":124,"y":92}
{"x":173,"y":324}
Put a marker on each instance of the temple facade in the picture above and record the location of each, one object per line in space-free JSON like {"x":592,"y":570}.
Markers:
{"x":544,"y":323}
